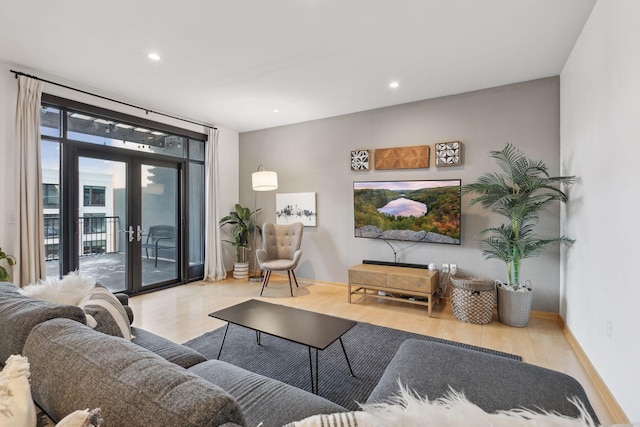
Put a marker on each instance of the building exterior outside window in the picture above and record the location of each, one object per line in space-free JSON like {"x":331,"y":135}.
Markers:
{"x":94,"y":196}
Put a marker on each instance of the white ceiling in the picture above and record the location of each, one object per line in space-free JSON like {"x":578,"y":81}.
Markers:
{"x":231,"y":63}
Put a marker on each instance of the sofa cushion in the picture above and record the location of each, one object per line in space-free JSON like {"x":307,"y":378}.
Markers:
{"x":264,"y":400}
{"x":492,"y":382}
{"x":174,"y":353}
{"x":107,"y":311}
{"x":19,"y":314}
{"x":73,"y":366}
{"x":124,"y":300}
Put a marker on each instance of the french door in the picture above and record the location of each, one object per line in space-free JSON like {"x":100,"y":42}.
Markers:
{"x":125,"y":219}
{"x":123,"y":197}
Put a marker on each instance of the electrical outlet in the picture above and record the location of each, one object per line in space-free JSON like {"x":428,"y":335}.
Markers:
{"x":609,"y":329}
{"x":453,"y":269}
{"x":445,"y":268}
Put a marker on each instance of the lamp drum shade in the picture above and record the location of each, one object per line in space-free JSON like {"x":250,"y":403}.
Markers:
{"x":264,"y":181}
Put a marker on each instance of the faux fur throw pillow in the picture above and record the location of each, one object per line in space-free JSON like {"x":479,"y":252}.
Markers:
{"x":410,"y":410}
{"x":70,"y":290}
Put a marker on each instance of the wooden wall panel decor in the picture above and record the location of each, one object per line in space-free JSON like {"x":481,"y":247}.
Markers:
{"x":413,"y":157}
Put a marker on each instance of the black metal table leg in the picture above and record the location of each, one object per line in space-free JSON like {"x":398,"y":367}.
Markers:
{"x":223,"y":338}
{"x":347,"y":357}
{"x":313,"y":389}
{"x":314,"y":381}
{"x":317,"y":383}
{"x":258,"y":337}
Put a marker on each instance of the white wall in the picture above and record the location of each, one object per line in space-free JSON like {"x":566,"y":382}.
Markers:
{"x":314,"y":157}
{"x":8,"y":99}
{"x":228,"y":150}
{"x":228,"y":143}
{"x":600,"y":122}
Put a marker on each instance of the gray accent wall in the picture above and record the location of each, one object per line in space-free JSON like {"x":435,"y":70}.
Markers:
{"x":315,"y":157}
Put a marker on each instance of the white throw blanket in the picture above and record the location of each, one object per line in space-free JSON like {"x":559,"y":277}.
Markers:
{"x":411,"y":410}
{"x":16,"y":407}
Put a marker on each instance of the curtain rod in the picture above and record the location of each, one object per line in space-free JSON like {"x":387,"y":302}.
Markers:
{"x":146,"y":110}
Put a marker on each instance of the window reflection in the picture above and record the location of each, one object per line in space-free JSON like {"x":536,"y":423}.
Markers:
{"x":95,"y":130}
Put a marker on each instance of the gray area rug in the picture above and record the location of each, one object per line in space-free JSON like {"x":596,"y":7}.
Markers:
{"x":370,"y":349}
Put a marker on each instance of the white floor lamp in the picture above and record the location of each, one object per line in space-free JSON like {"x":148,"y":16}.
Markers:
{"x":261,"y":180}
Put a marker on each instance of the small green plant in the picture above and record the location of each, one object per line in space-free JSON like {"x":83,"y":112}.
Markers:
{"x":519,"y":193}
{"x":244,"y":226}
{"x":9,"y":259}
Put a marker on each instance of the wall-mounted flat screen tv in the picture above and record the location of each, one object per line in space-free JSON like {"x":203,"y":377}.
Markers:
{"x":416,"y":211}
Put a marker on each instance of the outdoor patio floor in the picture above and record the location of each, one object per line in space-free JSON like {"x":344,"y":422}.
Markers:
{"x":109,"y":270}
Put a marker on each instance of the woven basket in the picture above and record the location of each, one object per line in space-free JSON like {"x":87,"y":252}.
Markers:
{"x":514,"y":308}
{"x":473,"y":299}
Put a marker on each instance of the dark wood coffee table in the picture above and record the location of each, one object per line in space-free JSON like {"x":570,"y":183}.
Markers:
{"x":314,"y":330}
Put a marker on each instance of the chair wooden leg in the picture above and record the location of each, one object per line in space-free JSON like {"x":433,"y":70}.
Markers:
{"x":290,"y":287}
{"x":294,"y":278}
{"x":267,"y":274}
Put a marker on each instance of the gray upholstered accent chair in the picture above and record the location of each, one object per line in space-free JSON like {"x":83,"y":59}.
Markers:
{"x":280,"y":250}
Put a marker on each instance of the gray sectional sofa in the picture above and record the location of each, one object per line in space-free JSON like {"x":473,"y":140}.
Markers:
{"x":153,"y":381}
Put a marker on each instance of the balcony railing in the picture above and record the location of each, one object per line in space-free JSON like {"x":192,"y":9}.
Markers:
{"x":96,"y":235}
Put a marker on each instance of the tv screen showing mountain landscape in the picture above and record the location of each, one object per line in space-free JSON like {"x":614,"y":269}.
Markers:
{"x":415,"y":211}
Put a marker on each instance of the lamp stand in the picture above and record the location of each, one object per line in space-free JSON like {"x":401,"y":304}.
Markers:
{"x":257,"y":272}
{"x":260,"y":181}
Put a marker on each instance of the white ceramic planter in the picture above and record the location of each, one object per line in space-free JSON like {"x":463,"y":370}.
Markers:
{"x":240,"y":270}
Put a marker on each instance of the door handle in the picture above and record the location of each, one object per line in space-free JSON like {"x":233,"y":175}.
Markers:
{"x":129,"y":232}
{"x":139,"y":232}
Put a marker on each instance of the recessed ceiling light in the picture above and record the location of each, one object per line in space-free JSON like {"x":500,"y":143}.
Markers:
{"x":123,"y":126}
{"x":154,"y":56}
{"x":275,"y":110}
{"x":394,"y":85}
{"x":155,"y":132}
{"x":142,"y":130}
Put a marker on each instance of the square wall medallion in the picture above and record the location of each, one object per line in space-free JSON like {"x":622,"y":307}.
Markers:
{"x":360,"y":160}
{"x":449,"y":153}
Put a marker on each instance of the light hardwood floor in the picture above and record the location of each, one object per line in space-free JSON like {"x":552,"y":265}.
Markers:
{"x":180,"y":313}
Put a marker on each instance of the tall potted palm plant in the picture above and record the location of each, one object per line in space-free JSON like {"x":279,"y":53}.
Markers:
{"x":244,"y":226}
{"x":519,"y":193}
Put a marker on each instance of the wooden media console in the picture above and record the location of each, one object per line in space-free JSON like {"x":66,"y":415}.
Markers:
{"x":397,"y":281}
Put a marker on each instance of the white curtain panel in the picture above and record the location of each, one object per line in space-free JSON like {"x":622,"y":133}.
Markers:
{"x":213,"y":262}
{"x":30,"y":227}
